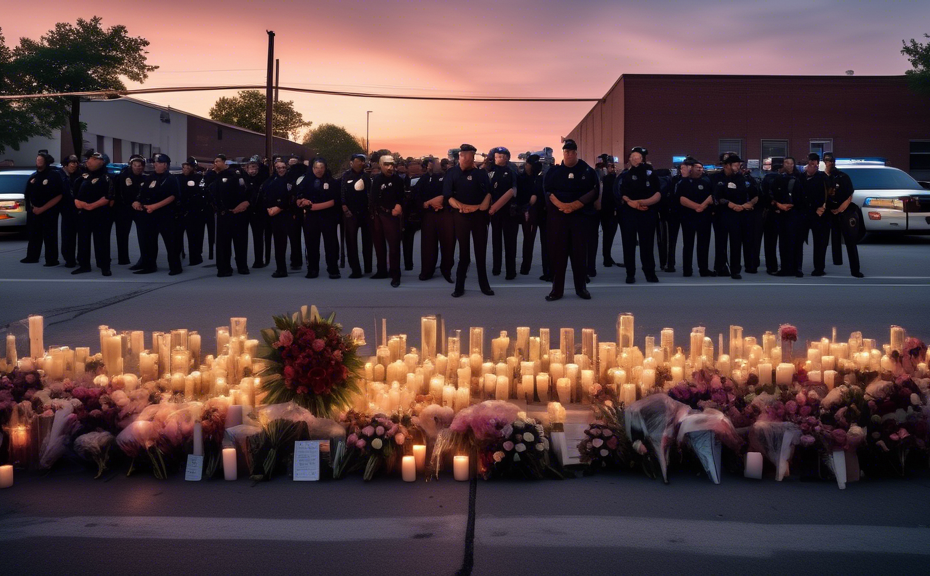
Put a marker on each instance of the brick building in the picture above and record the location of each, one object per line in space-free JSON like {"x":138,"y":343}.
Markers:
{"x":760,"y":117}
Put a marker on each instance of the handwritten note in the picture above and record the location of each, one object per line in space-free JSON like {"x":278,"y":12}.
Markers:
{"x":307,"y":460}
{"x":194,"y":470}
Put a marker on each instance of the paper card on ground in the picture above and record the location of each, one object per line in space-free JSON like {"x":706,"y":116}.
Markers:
{"x":307,"y":460}
{"x":194,"y":470}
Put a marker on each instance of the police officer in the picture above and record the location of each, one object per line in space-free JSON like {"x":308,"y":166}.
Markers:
{"x":256,"y":174}
{"x":296,"y":172}
{"x":787,"y":201}
{"x":815,"y":222}
{"x":413,"y":218}
{"x":386,"y":199}
{"x":503,"y":213}
{"x":571,"y":187}
{"x":736,"y":196}
{"x":467,"y":189}
{"x":125,"y":191}
{"x":843,"y":215}
{"x":670,"y":220}
{"x":71,"y":176}
{"x":196,"y":209}
{"x":766,"y":207}
{"x":43,"y":195}
{"x":527,"y":198}
{"x":637,"y":192}
{"x":316,"y":196}
{"x":721,"y":265}
{"x":355,"y":185}
{"x":438,"y":230}
{"x":92,"y":201}
{"x":232,"y":220}
{"x":608,"y":210}
{"x":696,"y":200}
{"x":158,"y":196}
{"x":279,"y":202}
{"x":542,"y":216}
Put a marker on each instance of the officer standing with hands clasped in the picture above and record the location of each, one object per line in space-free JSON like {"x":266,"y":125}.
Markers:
{"x":815,"y":220}
{"x":156,"y":203}
{"x":504,"y":223}
{"x":71,"y":173}
{"x":354,"y":186}
{"x":43,"y":194}
{"x":387,"y":195}
{"x":572,"y":186}
{"x":92,"y":200}
{"x":196,"y":210}
{"x":528,"y":198}
{"x":316,"y":195}
{"x":736,"y":195}
{"x":255,"y":175}
{"x":438,"y":234}
{"x":279,"y":203}
{"x":467,"y":189}
{"x":637,"y":191}
{"x":232,"y":220}
{"x":126,"y":186}
{"x":695,"y":195}
{"x":844,"y":221}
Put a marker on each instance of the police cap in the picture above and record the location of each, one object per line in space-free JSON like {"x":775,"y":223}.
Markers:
{"x":467,"y":148}
{"x":162,"y":159}
{"x":533,"y":158}
{"x":358,"y":157}
{"x":501,"y":150}
{"x":191,"y":161}
{"x":641,"y":150}
{"x":732,"y":159}
{"x":100,"y":156}
{"x":138,"y":159}
{"x":569,"y":145}
{"x":71,"y":159}
{"x":220,"y":157}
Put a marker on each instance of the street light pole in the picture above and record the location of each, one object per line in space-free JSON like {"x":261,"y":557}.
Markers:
{"x":367,"y":141}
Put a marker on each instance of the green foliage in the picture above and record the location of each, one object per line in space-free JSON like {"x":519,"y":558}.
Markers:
{"x":247,"y":110}
{"x":919,"y":56}
{"x":334,"y":143}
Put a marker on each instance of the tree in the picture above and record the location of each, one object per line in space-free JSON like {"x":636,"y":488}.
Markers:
{"x":247,"y":110}
{"x":84,"y":57}
{"x":19,"y":120}
{"x":919,"y":56}
{"x":334,"y":143}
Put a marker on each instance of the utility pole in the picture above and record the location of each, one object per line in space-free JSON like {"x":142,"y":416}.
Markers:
{"x":367,"y":141}
{"x":277,"y":77}
{"x":269,"y":107}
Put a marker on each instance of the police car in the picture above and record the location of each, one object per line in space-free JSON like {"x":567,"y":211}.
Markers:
{"x":889,"y":198}
{"x":13,"y":200}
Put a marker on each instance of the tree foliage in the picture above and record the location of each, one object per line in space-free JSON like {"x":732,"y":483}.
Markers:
{"x":919,"y":56}
{"x":247,"y":110}
{"x":82,"y":57}
{"x":19,"y":119}
{"x":334,"y":143}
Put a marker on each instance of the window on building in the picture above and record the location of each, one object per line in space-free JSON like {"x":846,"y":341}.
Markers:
{"x":920,"y":155}
{"x":99,"y":147}
{"x":774,"y":149}
{"x":821,"y":146}
{"x":729,"y":145}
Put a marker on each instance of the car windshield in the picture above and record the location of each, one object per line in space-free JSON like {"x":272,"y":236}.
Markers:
{"x":13,"y":183}
{"x":881,"y":179}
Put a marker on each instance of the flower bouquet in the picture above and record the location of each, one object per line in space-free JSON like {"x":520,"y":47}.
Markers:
{"x":788,"y":335}
{"x":213,"y":424}
{"x":604,"y":447}
{"x":309,"y":362}
{"x":520,"y":451}
{"x":897,"y":422}
{"x":281,"y":426}
{"x":95,"y":447}
{"x":373,"y":443}
{"x":653,"y":421}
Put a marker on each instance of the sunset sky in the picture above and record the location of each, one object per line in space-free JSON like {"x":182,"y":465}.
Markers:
{"x":544,"y":48}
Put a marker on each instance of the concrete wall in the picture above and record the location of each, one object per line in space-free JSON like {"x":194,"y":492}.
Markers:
{"x":206,"y":139}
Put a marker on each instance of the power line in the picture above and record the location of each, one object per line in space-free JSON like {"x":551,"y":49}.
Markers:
{"x":135,"y":91}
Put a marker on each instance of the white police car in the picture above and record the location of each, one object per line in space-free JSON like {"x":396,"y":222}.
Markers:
{"x":889,"y":198}
{"x":13,"y":200}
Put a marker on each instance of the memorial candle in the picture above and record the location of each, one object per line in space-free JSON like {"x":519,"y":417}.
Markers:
{"x":36,"y":336}
{"x":6,"y":476}
{"x":563,"y":387}
{"x":419,"y":456}
{"x":522,"y":345}
{"x":194,"y":345}
{"x":828,"y":362}
{"x":529,"y":384}
{"x":736,"y":342}
{"x":448,"y":395}
{"x":897,"y":339}
{"x":649,"y":378}
{"x":829,"y":379}
{"x":490,"y":386}
{"x":784,"y":373}
{"x":567,"y":343}
{"x":503,"y":388}
{"x":222,"y":340}
{"x":765,"y":373}
{"x":460,"y":468}
{"x":667,"y":341}
{"x":542,"y":387}
{"x":697,"y":344}
{"x":11,"y":350}
{"x":625,"y":334}
{"x":230,"y":471}
{"x":428,"y":337}
{"x":409,"y":469}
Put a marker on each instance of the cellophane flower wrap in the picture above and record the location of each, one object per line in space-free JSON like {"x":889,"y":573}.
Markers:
{"x":520,"y":450}
{"x":372,"y":443}
{"x":309,"y":362}
{"x":898,"y":421}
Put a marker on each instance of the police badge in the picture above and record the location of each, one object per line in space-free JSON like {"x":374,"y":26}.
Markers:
{"x":128,"y":181}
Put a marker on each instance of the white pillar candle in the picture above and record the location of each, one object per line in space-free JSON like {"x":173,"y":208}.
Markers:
{"x":222,"y":340}
{"x":476,"y":341}
{"x":534,"y":348}
{"x":627,"y":393}
{"x":428,"y":337}
{"x":678,"y":374}
{"x":649,"y":378}
{"x":567,"y":343}
{"x":723,"y":365}
{"x":814,"y":356}
{"x":828,"y":362}
{"x":198,"y":439}
{"x":829,"y":379}
{"x":11,"y":350}
{"x":542,"y":387}
{"x":765,"y":373}
{"x":521,"y":348}
{"x":460,"y":468}
{"x":753,"y":465}
{"x":587,"y":384}
{"x":237,"y":327}
{"x":556,"y":413}
{"x":230,"y":471}
{"x":556,"y":372}
{"x":563,"y":387}
{"x":36,"y":336}
{"x":897,"y":338}
{"x":408,"y":468}
{"x":697,"y":344}
{"x":815,"y":376}
{"x":503,"y":388}
{"x":784,"y":373}
{"x":233,"y":416}
{"x":736,"y":342}
{"x":419,"y":456}
{"x":6,"y":476}
{"x":625,"y":327}
{"x":464,"y":377}
{"x":462,"y":399}
{"x":448,"y":395}
{"x":528,"y":382}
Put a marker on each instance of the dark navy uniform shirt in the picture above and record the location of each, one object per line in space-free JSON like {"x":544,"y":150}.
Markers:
{"x":503,"y":178}
{"x":577,"y":183}
{"x":96,"y":185}
{"x":386,"y":192}
{"x":735,"y":188}
{"x":468,"y":187}
{"x":695,"y":189}
{"x":839,"y":189}
{"x":815,"y":190}
{"x":637,"y":183}
{"x":355,"y":200}
{"x":43,"y":187}
{"x":228,"y":190}
{"x":157,"y":187}
{"x":277,"y":192}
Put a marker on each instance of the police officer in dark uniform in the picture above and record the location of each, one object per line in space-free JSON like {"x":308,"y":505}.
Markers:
{"x":608,"y":210}
{"x":71,"y":172}
{"x":296,"y":172}
{"x":196,"y":209}
{"x":92,"y":200}
{"x":787,"y":201}
{"x":670,"y":219}
{"x":438,"y":230}
{"x":503,"y":213}
{"x":815,"y":220}
{"x":156,"y":205}
{"x":527,"y":199}
{"x":542,"y":216}
{"x":467,"y":189}
{"x":255,"y":174}
{"x":721,"y":260}
{"x":386,"y":200}
{"x":279,"y":202}
{"x":126,"y":187}
{"x":736,"y":196}
{"x":413,"y":219}
{"x":354,"y":186}
{"x":572,"y":188}
{"x":637,"y":192}
{"x":232,"y":221}
{"x":43,"y":195}
{"x":696,"y":199}
{"x":841,"y":213}
{"x":766,"y":206}
{"x":316,"y":196}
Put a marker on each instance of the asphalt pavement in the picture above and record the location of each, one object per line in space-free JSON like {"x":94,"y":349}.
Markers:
{"x":66,"y":521}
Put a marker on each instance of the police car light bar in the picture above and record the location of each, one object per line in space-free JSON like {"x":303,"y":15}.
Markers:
{"x":864,"y":160}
